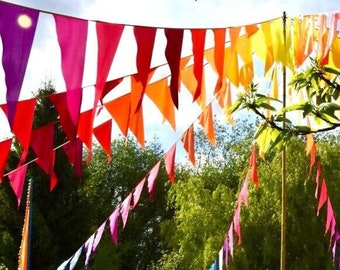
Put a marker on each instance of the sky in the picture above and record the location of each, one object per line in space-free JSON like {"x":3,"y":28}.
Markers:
{"x":44,"y":62}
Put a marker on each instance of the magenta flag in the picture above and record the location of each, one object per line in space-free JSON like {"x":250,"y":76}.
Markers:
{"x":74,"y":152}
{"x":114,"y":225}
{"x":72,"y":37}
{"x":169,"y":158}
{"x":17,"y":29}
{"x":137,"y":193}
{"x":17,"y":180}
{"x":152,"y":180}
{"x":173,"y":52}
{"x":124,"y":210}
{"x":323,"y":195}
{"x":330,"y":220}
{"x":231,"y":240}
{"x":98,"y":236}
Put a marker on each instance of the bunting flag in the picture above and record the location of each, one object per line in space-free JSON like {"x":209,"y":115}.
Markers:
{"x":17,"y":181}
{"x":5,"y":147}
{"x":103,"y":135}
{"x":114,"y":225}
{"x":243,"y":196}
{"x":75,"y":258}
{"x":17,"y":30}
{"x":72,"y":38}
{"x":85,"y":131}
{"x":330,"y":220}
{"x":173,"y":55}
{"x":24,"y":246}
{"x":253,"y":165}
{"x":136,"y":194}
{"x":98,"y":236}
{"x":317,"y":178}
{"x":169,"y":159}
{"x":323,"y":195}
{"x":226,"y":251}
{"x":236,"y":221}
{"x":136,"y":125}
{"x":219,"y":38}
{"x":152,"y":180}
{"x":88,"y":249}
{"x":207,"y":122}
{"x":74,"y":152}
{"x":125,"y":209}
{"x":231,"y":240}
{"x":188,"y":140}
{"x":145,"y":38}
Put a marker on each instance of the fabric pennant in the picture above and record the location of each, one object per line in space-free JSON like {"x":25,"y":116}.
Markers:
{"x":85,"y":130}
{"x":74,"y":152}
{"x":231,"y":239}
{"x":64,"y":265}
{"x":152,"y":180}
{"x":114,"y":225}
{"x":103,"y":135}
{"x":125,"y":208}
{"x":220,"y":259}
{"x":173,"y":55}
{"x":136,"y":125}
{"x":75,"y":258}
{"x":5,"y":147}
{"x":98,"y":236}
{"x":226,"y":251}
{"x":198,"y":43}
{"x":110,"y":85}
{"x":145,"y":38}
{"x":188,"y":140}
{"x":253,"y":165}
{"x":330,"y":218}
{"x":317,"y":178}
{"x":169,"y":159}
{"x":88,"y":249}
{"x":17,"y":30}
{"x":323,"y":195}
{"x":136,"y":194}
{"x":236,"y":221}
{"x":207,"y":122}
{"x":243,"y":196}
{"x":219,"y":38}
{"x":17,"y":181}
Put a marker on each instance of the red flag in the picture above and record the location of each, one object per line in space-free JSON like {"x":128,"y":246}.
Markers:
{"x":74,"y":152}
{"x":103,"y":135}
{"x":152,"y":180}
{"x":253,"y":165}
{"x":323,"y":195}
{"x":17,"y":181}
{"x":137,"y":193}
{"x":85,"y":130}
{"x":5,"y":147}
{"x":330,"y":217}
{"x":198,"y":42}
{"x":169,"y":159}
{"x":173,"y":55}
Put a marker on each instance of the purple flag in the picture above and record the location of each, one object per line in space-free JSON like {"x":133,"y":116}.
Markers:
{"x":17,"y":29}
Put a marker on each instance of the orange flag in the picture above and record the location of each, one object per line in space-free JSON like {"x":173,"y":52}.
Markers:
{"x":136,"y":125}
{"x":207,"y":122}
{"x":85,"y":130}
{"x":24,"y":246}
{"x":219,"y":37}
{"x":188,"y":140}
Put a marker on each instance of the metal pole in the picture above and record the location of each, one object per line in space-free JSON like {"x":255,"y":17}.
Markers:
{"x":30,"y":206}
{"x":284,"y":176}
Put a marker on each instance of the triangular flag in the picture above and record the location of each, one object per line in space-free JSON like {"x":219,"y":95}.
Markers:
{"x":317,"y":178}
{"x":88,"y":248}
{"x":323,"y":195}
{"x":17,"y":30}
{"x":17,"y":181}
{"x":207,"y":122}
{"x":138,"y":191}
{"x":75,"y":258}
{"x":152,"y":180}
{"x":253,"y":165}
{"x":219,"y":38}
{"x":243,"y":196}
{"x":226,"y":251}
{"x":231,"y":239}
{"x":145,"y":38}
{"x":236,"y":221}
{"x":198,"y":43}
{"x":114,"y":225}
{"x":136,"y":125}
{"x":5,"y":147}
{"x":173,"y":55}
{"x":188,"y":140}
{"x":169,"y":158}
{"x":74,"y":152}
{"x":85,"y":130}
{"x":103,"y":135}
{"x":110,"y":85}
{"x":98,"y":236}
{"x":330,"y":216}
{"x":125,"y":208}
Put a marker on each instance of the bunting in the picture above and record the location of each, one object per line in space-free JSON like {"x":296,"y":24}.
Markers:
{"x":169,"y":159}
{"x":5,"y":147}
{"x":17,"y":181}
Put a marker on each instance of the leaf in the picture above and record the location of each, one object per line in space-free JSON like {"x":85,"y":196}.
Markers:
{"x":267,"y":106}
{"x":331,"y":70}
{"x":281,"y":118}
{"x":236,"y":106}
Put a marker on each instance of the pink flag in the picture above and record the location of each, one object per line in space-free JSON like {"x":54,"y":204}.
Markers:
{"x":74,"y":152}
{"x":114,"y":225}
{"x":330,"y":217}
{"x":17,"y":30}
{"x":152,"y":180}
{"x":88,"y":247}
{"x":243,"y":196}
{"x":169,"y":159}
{"x":323,"y":195}
{"x":17,"y":180}
{"x":72,"y":37}
{"x":236,"y":221}
{"x":137,"y":193}
{"x":231,"y":239}
{"x":98,"y":236}
{"x":5,"y":147}
{"x":103,"y":135}
{"x":124,"y":211}
{"x":317,"y":178}
{"x":226,"y":251}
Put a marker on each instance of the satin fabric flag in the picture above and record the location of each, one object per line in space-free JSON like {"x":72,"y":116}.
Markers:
{"x":226,"y":251}
{"x":169,"y":159}
{"x":243,"y":196}
{"x":330,"y":220}
{"x":219,"y":38}
{"x":198,"y":43}
{"x":152,"y":180}
{"x":323,"y":195}
{"x":125,"y":209}
{"x":136,"y":125}
{"x":17,"y":181}
{"x":136,"y":194}
{"x":114,"y":225}
{"x":173,"y":56}
{"x":317,"y":178}
{"x":145,"y":39}
{"x":188,"y":140}
{"x":17,"y":30}
{"x":74,"y":152}
{"x":88,"y":248}
{"x":108,"y":37}
{"x":75,"y":258}
{"x":98,"y":236}
{"x":103,"y":135}
{"x":231,"y":239}
{"x":236,"y":221}
{"x":85,"y":130}
{"x":72,"y":38}
{"x":5,"y":147}
{"x":253,"y":165}
{"x":207,"y":122}
{"x":220,"y":259}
